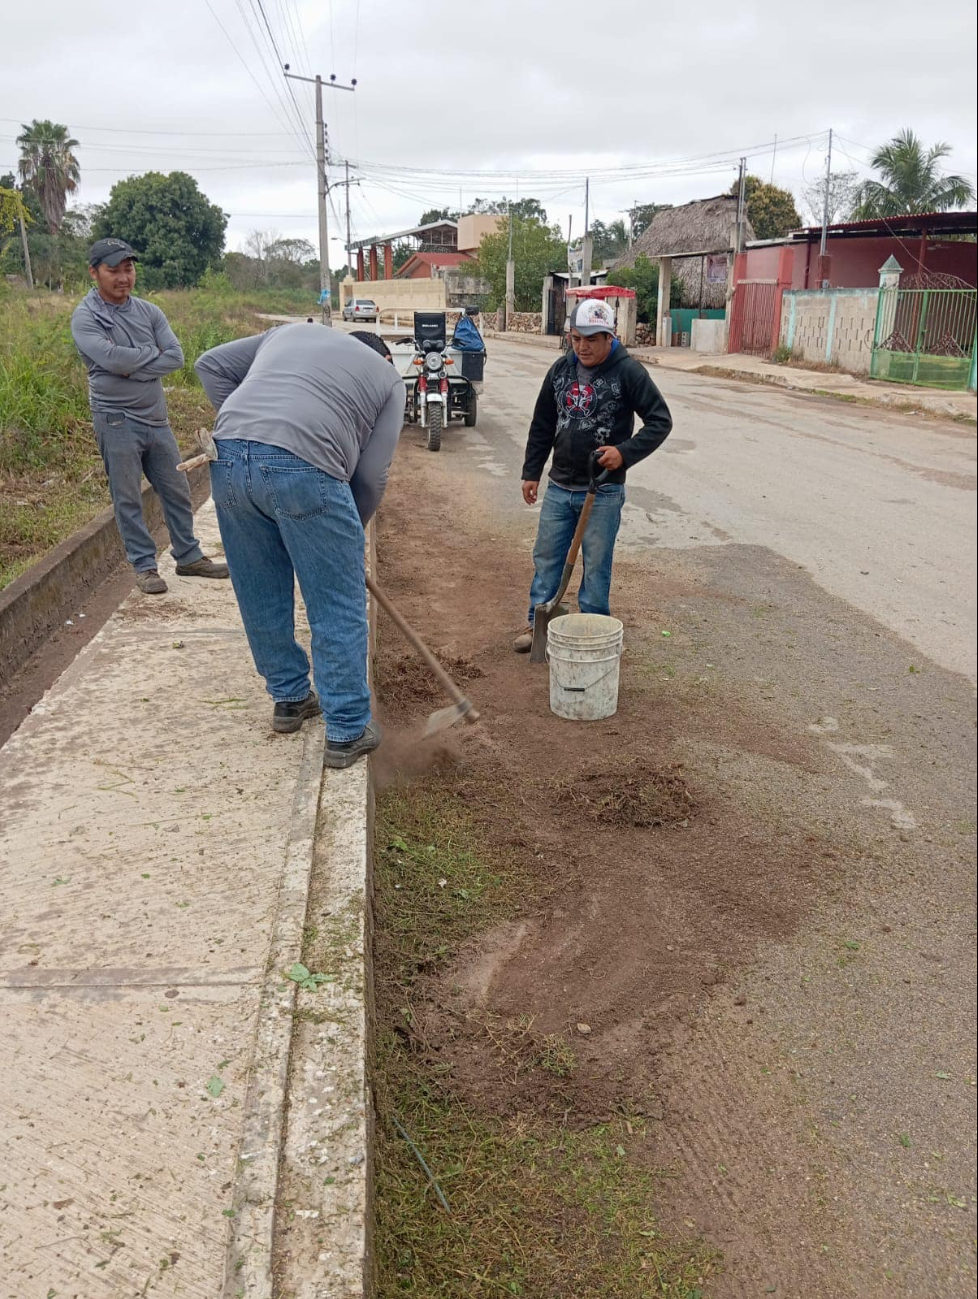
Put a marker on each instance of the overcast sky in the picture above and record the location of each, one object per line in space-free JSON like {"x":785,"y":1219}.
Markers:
{"x":499,"y":87}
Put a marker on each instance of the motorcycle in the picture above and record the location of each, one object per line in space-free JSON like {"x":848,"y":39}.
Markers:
{"x":437,"y":388}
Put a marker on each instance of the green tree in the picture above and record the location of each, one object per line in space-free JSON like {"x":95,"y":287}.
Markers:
{"x":437,"y":214}
{"x":643,"y":277}
{"x":49,"y":167}
{"x":176,"y":230}
{"x":770,"y":210}
{"x":56,"y":259}
{"x":12,"y":210}
{"x":607,"y":241}
{"x":538,"y":249}
{"x":642,"y":216}
{"x":912,"y":180}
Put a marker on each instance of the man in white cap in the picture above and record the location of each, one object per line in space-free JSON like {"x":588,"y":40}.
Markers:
{"x":589,"y":400}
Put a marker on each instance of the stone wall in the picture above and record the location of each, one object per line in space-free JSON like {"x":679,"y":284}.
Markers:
{"x":644,"y":335}
{"x":526,"y":322}
{"x":833,"y":326}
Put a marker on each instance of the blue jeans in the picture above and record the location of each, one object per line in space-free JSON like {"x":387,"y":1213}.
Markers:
{"x":559,"y":514}
{"x":130,"y":448}
{"x":281,"y":518}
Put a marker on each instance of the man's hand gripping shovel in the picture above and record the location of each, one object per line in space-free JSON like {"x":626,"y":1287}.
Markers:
{"x":544,"y":613}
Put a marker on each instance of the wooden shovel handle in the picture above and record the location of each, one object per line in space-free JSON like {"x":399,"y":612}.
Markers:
{"x":410,"y":635}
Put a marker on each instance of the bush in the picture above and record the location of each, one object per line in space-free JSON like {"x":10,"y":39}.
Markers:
{"x":643,"y":277}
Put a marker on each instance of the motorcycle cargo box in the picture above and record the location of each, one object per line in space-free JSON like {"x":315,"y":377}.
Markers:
{"x":472,"y":365}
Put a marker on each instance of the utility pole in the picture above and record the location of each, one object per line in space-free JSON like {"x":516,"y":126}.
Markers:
{"x":825,"y":205}
{"x":773,"y":158}
{"x":510,"y":272}
{"x":27,"y":254}
{"x":348,"y":218}
{"x":321,"y":182}
{"x":586,"y":245}
{"x":740,"y":206}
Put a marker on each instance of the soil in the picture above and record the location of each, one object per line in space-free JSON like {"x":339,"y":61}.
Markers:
{"x":665,"y":853}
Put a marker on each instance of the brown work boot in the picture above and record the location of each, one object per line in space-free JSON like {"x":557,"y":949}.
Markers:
{"x":522,"y":643}
{"x":202,"y":568}
{"x":150,"y":582}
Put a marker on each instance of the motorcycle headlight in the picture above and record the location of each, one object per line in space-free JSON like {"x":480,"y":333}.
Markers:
{"x":433,"y":361}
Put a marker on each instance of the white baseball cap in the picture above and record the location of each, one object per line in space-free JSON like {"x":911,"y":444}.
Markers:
{"x":592,"y":316}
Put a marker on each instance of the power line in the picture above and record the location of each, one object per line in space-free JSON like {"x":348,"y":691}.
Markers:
{"x":297,"y":125}
{"x":136,"y":130}
{"x":665,"y":166}
{"x":244,"y":64}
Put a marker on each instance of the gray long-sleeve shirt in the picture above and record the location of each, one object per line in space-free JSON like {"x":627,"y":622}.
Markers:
{"x":316,"y":392}
{"x":127,"y":349}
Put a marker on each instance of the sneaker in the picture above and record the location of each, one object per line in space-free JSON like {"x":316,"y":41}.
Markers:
{"x":522,"y":643}
{"x":150,"y":582}
{"x":289,"y":715}
{"x":346,"y":753}
{"x":202,"y":568}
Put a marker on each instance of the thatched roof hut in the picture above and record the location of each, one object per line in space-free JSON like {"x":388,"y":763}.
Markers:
{"x":706,"y":226}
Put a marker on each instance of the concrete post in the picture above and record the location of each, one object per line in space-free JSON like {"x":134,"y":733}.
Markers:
{"x":388,"y":262}
{"x":663,"y":331}
{"x":373,"y":263}
{"x":360,"y":273}
{"x":627,"y":320}
{"x":548,"y":284}
{"x":587,"y":245}
{"x":510,"y":292}
{"x":889,"y":273}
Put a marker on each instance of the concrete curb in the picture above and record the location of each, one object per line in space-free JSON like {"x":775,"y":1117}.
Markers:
{"x":248,"y":1270}
{"x":50,"y":591}
{"x":302,"y":1199}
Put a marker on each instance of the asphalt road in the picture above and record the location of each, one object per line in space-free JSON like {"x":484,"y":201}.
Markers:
{"x":878,"y":507}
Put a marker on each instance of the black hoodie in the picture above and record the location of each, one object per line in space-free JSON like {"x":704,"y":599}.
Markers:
{"x":572,"y":418}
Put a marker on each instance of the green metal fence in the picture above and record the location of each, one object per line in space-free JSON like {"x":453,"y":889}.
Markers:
{"x":926,"y":337}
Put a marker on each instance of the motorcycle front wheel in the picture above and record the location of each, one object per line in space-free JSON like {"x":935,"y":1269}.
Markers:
{"x":433,"y":429}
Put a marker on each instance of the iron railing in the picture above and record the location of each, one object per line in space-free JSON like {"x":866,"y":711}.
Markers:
{"x":925,"y":337}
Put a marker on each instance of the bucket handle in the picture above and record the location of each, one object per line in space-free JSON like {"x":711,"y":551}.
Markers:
{"x":581,"y":690}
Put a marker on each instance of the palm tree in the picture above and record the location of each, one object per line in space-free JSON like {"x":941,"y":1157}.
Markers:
{"x":912,"y":180}
{"x":49,"y":166}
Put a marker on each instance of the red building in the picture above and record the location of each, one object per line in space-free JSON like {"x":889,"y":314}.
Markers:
{"x":855,"y":251}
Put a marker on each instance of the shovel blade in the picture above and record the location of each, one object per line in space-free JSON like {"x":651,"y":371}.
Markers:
{"x":443,"y":718}
{"x":542,"y":616}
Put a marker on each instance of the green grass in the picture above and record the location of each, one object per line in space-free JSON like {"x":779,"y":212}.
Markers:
{"x":51,"y":477}
{"x":535,"y":1210}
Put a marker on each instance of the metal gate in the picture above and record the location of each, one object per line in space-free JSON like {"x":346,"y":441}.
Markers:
{"x":556,"y":307}
{"x":752,"y":317}
{"x":925,"y":336}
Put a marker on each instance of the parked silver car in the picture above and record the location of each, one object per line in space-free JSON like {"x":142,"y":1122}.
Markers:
{"x":360,"y":309}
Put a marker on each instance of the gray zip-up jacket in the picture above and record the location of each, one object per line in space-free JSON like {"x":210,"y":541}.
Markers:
{"x":316,"y":392}
{"x":127,"y":349}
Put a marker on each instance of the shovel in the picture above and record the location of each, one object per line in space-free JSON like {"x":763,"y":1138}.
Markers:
{"x":442,"y":717}
{"x":544,"y":613}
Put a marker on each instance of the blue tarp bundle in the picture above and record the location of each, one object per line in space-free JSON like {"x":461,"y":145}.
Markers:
{"x":466,"y":337}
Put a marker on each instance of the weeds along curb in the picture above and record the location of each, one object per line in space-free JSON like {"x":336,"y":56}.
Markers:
{"x":51,"y":591}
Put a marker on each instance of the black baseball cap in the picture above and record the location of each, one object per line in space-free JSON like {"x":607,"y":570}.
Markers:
{"x":110,"y":252}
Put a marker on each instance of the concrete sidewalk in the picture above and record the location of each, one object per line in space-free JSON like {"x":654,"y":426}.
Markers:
{"x":157,"y":847}
{"x":756,"y":369}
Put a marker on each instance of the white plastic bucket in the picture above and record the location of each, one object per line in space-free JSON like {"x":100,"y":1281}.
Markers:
{"x":584,"y":650}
